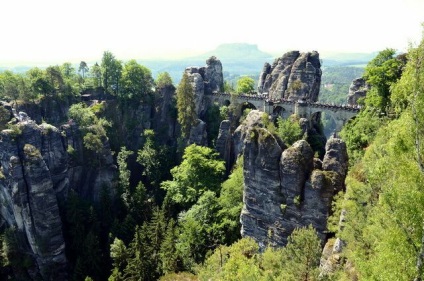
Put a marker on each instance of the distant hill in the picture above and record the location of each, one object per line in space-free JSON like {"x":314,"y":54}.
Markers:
{"x":237,"y":51}
{"x":237,"y":59}
{"x":347,"y":59}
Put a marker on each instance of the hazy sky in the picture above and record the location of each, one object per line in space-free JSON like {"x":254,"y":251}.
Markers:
{"x":58,"y":31}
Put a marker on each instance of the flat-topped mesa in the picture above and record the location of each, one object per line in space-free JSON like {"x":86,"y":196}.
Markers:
{"x":205,"y":80}
{"x":294,"y":76}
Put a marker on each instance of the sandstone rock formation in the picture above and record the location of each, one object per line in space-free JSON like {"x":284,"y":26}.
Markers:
{"x":284,"y":187}
{"x":164,"y":121}
{"x":358,"y":89}
{"x":39,"y":166}
{"x":293,"y":76}
{"x":198,"y":134}
{"x":34,"y":172}
{"x":224,"y":143}
{"x":205,"y":80}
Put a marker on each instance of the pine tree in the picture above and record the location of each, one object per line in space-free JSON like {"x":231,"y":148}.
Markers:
{"x":186,"y":107}
{"x":168,"y":251}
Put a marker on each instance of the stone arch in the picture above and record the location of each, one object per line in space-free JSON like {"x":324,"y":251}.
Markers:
{"x":278,"y":111}
{"x":244,"y":109}
{"x":247,"y":105}
{"x":328,"y":120}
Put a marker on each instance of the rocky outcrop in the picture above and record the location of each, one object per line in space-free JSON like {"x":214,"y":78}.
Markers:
{"x":164,"y":121}
{"x":52,"y":110}
{"x":332,"y":257}
{"x":285,"y":188}
{"x":39,"y":166}
{"x":205,"y":80}
{"x":223,"y":142}
{"x":198,"y":134}
{"x":293,"y":76}
{"x":357,"y":90}
{"x":129,"y":121}
{"x":34,"y":175}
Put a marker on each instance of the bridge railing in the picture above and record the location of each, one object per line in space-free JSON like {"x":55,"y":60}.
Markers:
{"x":285,"y":101}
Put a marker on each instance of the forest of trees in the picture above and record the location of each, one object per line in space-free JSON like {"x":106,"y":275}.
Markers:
{"x":180,"y":219}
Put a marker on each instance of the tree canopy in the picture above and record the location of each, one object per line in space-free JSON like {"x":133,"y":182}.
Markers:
{"x":245,"y":84}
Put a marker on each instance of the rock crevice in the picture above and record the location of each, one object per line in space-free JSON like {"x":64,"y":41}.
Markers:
{"x":286,"y":188}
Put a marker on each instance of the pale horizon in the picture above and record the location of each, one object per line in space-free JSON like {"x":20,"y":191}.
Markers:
{"x":47,"y":31}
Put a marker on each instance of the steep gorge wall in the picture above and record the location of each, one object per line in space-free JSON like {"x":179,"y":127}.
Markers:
{"x":286,"y":188}
{"x":37,"y":173}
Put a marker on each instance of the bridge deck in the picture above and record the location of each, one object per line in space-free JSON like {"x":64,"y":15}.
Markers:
{"x":246,"y":97}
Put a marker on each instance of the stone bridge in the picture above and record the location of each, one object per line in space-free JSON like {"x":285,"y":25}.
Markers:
{"x":284,"y":108}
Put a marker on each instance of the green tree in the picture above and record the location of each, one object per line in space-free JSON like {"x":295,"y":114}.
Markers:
{"x":200,"y":171}
{"x":137,"y":81}
{"x":155,"y":161}
{"x":111,"y":70}
{"x":239,"y":261}
{"x":199,"y":230}
{"x":168,"y":251}
{"x":302,"y":254}
{"x":381,"y":73}
{"x":245,"y":85}
{"x":55,"y":78}
{"x":289,"y":129}
{"x":9,"y":86}
{"x":93,"y":128}
{"x":231,"y":202}
{"x":39,"y":84}
{"x":186,"y":107}
{"x":96,"y":75}
{"x":83,"y":69}
{"x":163,"y":80}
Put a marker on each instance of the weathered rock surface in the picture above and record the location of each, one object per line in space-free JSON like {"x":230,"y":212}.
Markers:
{"x":34,"y":175}
{"x":129,"y":123}
{"x":284,"y":188}
{"x":205,"y":80}
{"x":198,"y":134}
{"x":358,"y":89}
{"x":332,"y":257}
{"x":164,"y":123}
{"x":293,"y":76}
{"x":52,"y":110}
{"x":39,"y":165}
{"x":223,"y":142}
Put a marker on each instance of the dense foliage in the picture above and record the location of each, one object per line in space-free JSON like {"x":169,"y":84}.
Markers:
{"x":383,"y":203}
{"x":176,"y":216}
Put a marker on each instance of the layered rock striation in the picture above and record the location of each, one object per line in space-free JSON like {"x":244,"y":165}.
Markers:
{"x":286,"y":188}
{"x":293,"y":76}
{"x":40,"y":164}
{"x":34,"y":175}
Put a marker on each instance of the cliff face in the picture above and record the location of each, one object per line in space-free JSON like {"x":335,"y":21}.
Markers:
{"x":37,"y":171}
{"x":34,"y":167}
{"x":284,"y":188}
{"x":293,"y":76}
